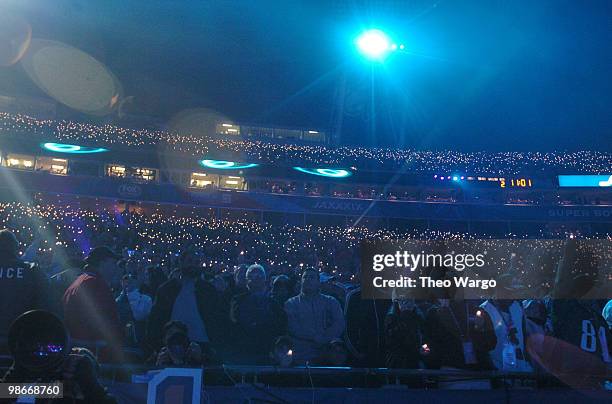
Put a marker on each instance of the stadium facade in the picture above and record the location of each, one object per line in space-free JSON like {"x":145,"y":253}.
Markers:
{"x":47,"y":166}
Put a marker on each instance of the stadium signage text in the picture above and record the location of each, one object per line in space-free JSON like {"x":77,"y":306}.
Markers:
{"x":340,"y":205}
{"x":11,"y":273}
{"x":580,"y":213}
{"x":129,"y":190}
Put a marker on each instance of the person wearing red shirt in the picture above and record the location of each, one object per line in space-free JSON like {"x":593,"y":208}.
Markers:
{"x":90,"y":312}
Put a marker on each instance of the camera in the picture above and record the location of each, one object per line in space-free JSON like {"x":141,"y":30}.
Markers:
{"x":41,"y":351}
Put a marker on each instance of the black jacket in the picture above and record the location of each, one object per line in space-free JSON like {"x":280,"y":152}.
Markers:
{"x":365,"y":325}
{"x":161,"y":312}
{"x":403,"y":337}
{"x":23,"y":287}
{"x":445,"y":331}
{"x":256,"y":322}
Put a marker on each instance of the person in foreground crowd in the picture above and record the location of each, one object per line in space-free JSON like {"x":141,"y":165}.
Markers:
{"x":314,"y":319}
{"x":134,"y":309}
{"x":404,"y":334}
{"x":579,"y":320}
{"x":606,"y":313}
{"x":579,"y":353}
{"x":452,"y":340}
{"x":281,"y":289}
{"x":187,"y":299}
{"x":90,"y":311}
{"x":179,"y":350}
{"x":23,"y":286}
{"x":153,"y":278}
{"x":240,"y":281}
{"x":42,"y":353}
{"x":365,"y":325}
{"x":503,"y":321}
{"x":256,"y":318}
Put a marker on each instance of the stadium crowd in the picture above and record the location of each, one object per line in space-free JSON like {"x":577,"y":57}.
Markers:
{"x":167,"y":290}
{"x":267,"y":151}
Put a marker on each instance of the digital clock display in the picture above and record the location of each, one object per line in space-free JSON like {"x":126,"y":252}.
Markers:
{"x":515,"y":183}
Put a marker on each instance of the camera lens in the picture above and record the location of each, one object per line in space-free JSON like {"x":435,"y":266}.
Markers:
{"x":38,"y":341}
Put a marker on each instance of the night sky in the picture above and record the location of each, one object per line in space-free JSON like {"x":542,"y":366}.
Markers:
{"x":477,"y":75}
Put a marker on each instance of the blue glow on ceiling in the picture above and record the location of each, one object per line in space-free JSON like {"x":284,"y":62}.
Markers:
{"x":325,"y":172}
{"x":226,"y":165}
{"x":71,"y":148}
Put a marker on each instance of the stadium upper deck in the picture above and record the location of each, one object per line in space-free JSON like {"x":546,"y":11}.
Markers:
{"x":259,"y":151}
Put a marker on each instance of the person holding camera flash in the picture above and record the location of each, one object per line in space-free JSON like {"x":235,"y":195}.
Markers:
{"x":178,"y":349}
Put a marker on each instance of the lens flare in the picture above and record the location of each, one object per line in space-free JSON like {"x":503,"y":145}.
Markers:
{"x":72,"y":77}
{"x":15,"y":38}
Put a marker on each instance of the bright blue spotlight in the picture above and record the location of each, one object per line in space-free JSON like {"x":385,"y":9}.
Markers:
{"x":325,"y":172}
{"x":374,"y":44}
{"x":455,"y":178}
{"x":71,"y":148}
{"x":226,"y":165}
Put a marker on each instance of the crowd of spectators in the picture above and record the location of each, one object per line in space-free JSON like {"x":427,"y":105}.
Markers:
{"x":243,"y":149}
{"x":188,"y":291}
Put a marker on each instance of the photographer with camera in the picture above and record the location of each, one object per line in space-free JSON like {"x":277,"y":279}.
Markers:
{"x":40,"y":347}
{"x":179,"y":350}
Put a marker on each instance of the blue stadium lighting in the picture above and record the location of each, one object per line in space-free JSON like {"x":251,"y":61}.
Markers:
{"x":226,"y":165}
{"x":374,"y":44}
{"x":455,"y":178}
{"x":71,"y":148}
{"x":325,"y":172}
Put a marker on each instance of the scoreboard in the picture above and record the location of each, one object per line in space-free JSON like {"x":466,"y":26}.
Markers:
{"x":492,"y":181}
{"x":515,"y":182}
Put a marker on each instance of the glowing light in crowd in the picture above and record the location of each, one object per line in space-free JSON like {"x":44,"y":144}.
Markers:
{"x":71,"y":148}
{"x":498,"y":163}
{"x":226,"y":165}
{"x":325,"y":172}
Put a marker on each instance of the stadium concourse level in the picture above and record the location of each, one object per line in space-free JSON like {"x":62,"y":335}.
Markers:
{"x":192,"y":291}
{"x":505,"y":163}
